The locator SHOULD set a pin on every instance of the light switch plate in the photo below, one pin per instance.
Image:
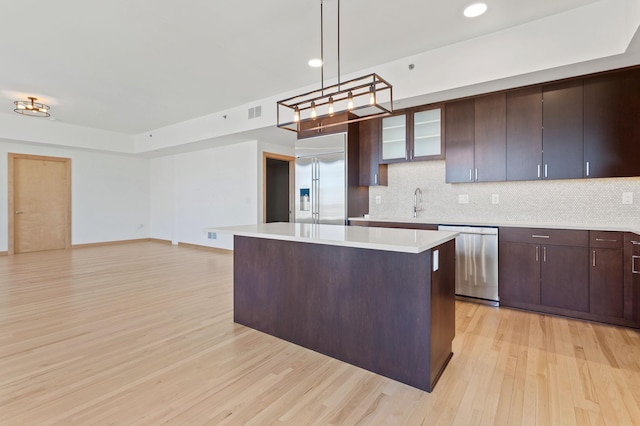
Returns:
(495, 199)
(463, 199)
(627, 198)
(378, 199)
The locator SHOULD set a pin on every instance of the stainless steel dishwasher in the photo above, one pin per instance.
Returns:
(476, 263)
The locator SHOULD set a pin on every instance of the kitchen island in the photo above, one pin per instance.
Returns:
(380, 299)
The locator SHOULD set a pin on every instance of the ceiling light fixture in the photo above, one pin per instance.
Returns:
(475, 10)
(32, 108)
(354, 100)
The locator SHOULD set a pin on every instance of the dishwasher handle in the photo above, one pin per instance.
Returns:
(476, 230)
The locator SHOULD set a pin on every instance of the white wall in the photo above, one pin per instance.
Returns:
(197, 190)
(110, 193)
(593, 203)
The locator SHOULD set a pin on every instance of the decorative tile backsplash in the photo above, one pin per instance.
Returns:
(577, 202)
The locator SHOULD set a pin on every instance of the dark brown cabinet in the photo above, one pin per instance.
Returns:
(475, 139)
(371, 171)
(611, 130)
(562, 130)
(519, 274)
(323, 126)
(524, 134)
(564, 282)
(606, 279)
(632, 279)
(544, 269)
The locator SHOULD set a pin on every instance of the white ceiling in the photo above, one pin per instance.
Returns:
(133, 66)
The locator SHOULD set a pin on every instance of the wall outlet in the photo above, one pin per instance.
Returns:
(627, 198)
(378, 199)
(495, 198)
(463, 199)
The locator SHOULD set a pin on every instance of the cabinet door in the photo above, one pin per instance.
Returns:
(565, 277)
(459, 143)
(611, 131)
(519, 274)
(562, 134)
(606, 284)
(394, 139)
(425, 136)
(371, 172)
(524, 134)
(491, 138)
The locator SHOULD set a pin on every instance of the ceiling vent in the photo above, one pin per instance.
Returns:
(255, 112)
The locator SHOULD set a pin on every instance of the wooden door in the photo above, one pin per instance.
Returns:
(519, 274)
(491, 138)
(371, 171)
(611, 131)
(459, 141)
(607, 282)
(562, 134)
(39, 203)
(565, 278)
(524, 134)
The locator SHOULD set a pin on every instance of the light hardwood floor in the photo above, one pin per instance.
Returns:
(143, 334)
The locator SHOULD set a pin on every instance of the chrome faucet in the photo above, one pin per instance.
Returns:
(417, 201)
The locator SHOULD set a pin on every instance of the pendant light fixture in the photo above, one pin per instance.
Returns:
(345, 102)
(32, 108)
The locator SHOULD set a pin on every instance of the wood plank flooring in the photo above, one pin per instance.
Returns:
(142, 334)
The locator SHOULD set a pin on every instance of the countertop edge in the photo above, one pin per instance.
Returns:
(439, 221)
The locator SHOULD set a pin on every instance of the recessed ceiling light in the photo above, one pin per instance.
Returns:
(315, 63)
(475, 9)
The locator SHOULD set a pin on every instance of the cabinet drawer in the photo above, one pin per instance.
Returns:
(606, 239)
(557, 237)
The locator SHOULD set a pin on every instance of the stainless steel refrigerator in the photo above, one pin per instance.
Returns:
(321, 185)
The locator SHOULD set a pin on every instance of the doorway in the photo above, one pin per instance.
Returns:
(278, 181)
(39, 203)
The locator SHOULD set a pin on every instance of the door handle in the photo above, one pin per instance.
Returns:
(19, 212)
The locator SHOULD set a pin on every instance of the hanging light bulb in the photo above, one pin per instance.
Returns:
(313, 110)
(296, 115)
(350, 101)
(372, 95)
(331, 110)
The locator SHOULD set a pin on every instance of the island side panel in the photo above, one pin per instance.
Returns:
(443, 309)
(370, 308)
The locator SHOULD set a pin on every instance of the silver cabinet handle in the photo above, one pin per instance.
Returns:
(544, 254)
(594, 258)
(538, 170)
(633, 264)
(476, 173)
(540, 236)
(545, 170)
(587, 169)
(537, 253)
(636, 243)
(470, 175)
(19, 212)
(375, 179)
(606, 240)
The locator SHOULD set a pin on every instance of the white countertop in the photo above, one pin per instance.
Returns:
(441, 221)
(387, 239)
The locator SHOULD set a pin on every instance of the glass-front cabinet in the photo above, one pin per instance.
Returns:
(411, 135)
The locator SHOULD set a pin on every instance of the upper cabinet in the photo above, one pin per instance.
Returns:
(562, 130)
(475, 141)
(611, 130)
(414, 134)
(524, 134)
(371, 171)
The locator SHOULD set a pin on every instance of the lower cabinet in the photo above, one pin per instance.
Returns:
(564, 282)
(579, 274)
(534, 275)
